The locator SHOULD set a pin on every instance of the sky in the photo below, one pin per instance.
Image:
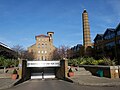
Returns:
(22, 20)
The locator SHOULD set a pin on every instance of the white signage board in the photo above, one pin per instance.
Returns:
(43, 63)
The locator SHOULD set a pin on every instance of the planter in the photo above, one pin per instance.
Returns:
(14, 76)
(70, 74)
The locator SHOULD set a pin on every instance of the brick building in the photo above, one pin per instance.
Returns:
(43, 48)
(75, 51)
(108, 44)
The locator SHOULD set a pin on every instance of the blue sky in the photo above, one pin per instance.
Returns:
(21, 20)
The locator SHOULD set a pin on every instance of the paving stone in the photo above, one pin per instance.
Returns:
(7, 83)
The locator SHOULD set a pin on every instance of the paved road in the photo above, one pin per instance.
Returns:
(56, 85)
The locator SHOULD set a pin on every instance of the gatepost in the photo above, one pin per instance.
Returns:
(114, 72)
(24, 72)
(61, 72)
(119, 70)
(66, 67)
(20, 69)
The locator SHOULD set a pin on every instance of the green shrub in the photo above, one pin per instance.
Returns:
(70, 70)
(8, 62)
(108, 61)
(90, 61)
(14, 71)
(1, 60)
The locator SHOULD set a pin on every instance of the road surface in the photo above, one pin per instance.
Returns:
(57, 85)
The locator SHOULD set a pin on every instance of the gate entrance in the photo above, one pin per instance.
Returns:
(43, 69)
(49, 73)
(36, 73)
(42, 73)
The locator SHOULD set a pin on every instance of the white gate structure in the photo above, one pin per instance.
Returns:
(43, 69)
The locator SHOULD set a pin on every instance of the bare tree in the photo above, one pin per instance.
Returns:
(63, 51)
(28, 55)
(70, 53)
(56, 55)
(22, 53)
(60, 53)
(18, 49)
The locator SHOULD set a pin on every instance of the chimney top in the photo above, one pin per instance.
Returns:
(85, 11)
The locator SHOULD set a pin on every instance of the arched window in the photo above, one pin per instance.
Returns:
(42, 58)
(38, 45)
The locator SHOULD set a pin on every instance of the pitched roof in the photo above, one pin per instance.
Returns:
(4, 45)
(109, 30)
(101, 35)
(42, 35)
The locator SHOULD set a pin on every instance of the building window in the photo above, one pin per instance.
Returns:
(42, 39)
(38, 51)
(38, 45)
(110, 45)
(42, 57)
(42, 45)
(118, 33)
(39, 39)
(110, 35)
(42, 52)
(46, 45)
(119, 42)
(45, 52)
(45, 39)
(45, 58)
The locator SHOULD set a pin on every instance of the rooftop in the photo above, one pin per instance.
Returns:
(42, 35)
(85, 11)
(4, 45)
